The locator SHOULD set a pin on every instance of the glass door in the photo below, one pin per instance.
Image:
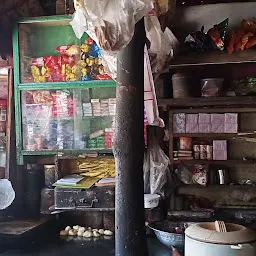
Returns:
(68, 119)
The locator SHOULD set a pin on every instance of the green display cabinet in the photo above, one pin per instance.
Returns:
(64, 101)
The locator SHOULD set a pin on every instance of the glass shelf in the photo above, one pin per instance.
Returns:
(68, 119)
(49, 52)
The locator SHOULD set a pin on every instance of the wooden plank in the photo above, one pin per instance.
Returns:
(215, 110)
(213, 58)
(183, 3)
(208, 101)
(216, 162)
(205, 135)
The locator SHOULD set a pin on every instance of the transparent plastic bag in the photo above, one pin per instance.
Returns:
(163, 45)
(211, 87)
(114, 20)
(155, 170)
(184, 174)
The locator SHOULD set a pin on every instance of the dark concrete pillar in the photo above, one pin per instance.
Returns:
(129, 148)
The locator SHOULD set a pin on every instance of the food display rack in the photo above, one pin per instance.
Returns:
(38, 99)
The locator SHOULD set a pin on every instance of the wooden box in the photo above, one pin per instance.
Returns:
(73, 198)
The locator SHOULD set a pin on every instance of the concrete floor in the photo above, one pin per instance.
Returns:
(54, 246)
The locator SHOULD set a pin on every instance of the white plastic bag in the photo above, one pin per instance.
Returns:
(163, 45)
(114, 20)
(155, 170)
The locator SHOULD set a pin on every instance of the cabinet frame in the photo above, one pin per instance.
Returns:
(19, 87)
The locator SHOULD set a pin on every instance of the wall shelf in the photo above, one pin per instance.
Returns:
(206, 135)
(216, 162)
(213, 58)
(208, 101)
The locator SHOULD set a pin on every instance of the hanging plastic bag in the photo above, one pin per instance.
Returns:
(114, 20)
(155, 170)
(163, 45)
(79, 22)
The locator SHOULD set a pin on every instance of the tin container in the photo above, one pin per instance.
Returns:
(209, 148)
(203, 155)
(185, 143)
(196, 148)
(209, 156)
(203, 148)
(196, 155)
(49, 174)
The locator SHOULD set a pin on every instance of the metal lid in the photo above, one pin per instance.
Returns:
(206, 232)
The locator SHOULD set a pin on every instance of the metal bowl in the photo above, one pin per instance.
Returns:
(164, 231)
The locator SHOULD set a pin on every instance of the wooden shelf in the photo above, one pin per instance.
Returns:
(209, 101)
(205, 135)
(213, 58)
(216, 162)
(216, 186)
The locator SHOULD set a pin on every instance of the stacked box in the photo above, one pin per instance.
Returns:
(220, 155)
(112, 106)
(100, 141)
(217, 121)
(96, 109)
(104, 107)
(204, 123)
(92, 143)
(192, 118)
(220, 150)
(96, 134)
(191, 123)
(219, 145)
(231, 123)
(179, 123)
(87, 109)
(109, 135)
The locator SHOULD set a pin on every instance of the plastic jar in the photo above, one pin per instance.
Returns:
(49, 174)
(181, 85)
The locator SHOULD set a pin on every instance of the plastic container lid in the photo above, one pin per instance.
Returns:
(206, 232)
